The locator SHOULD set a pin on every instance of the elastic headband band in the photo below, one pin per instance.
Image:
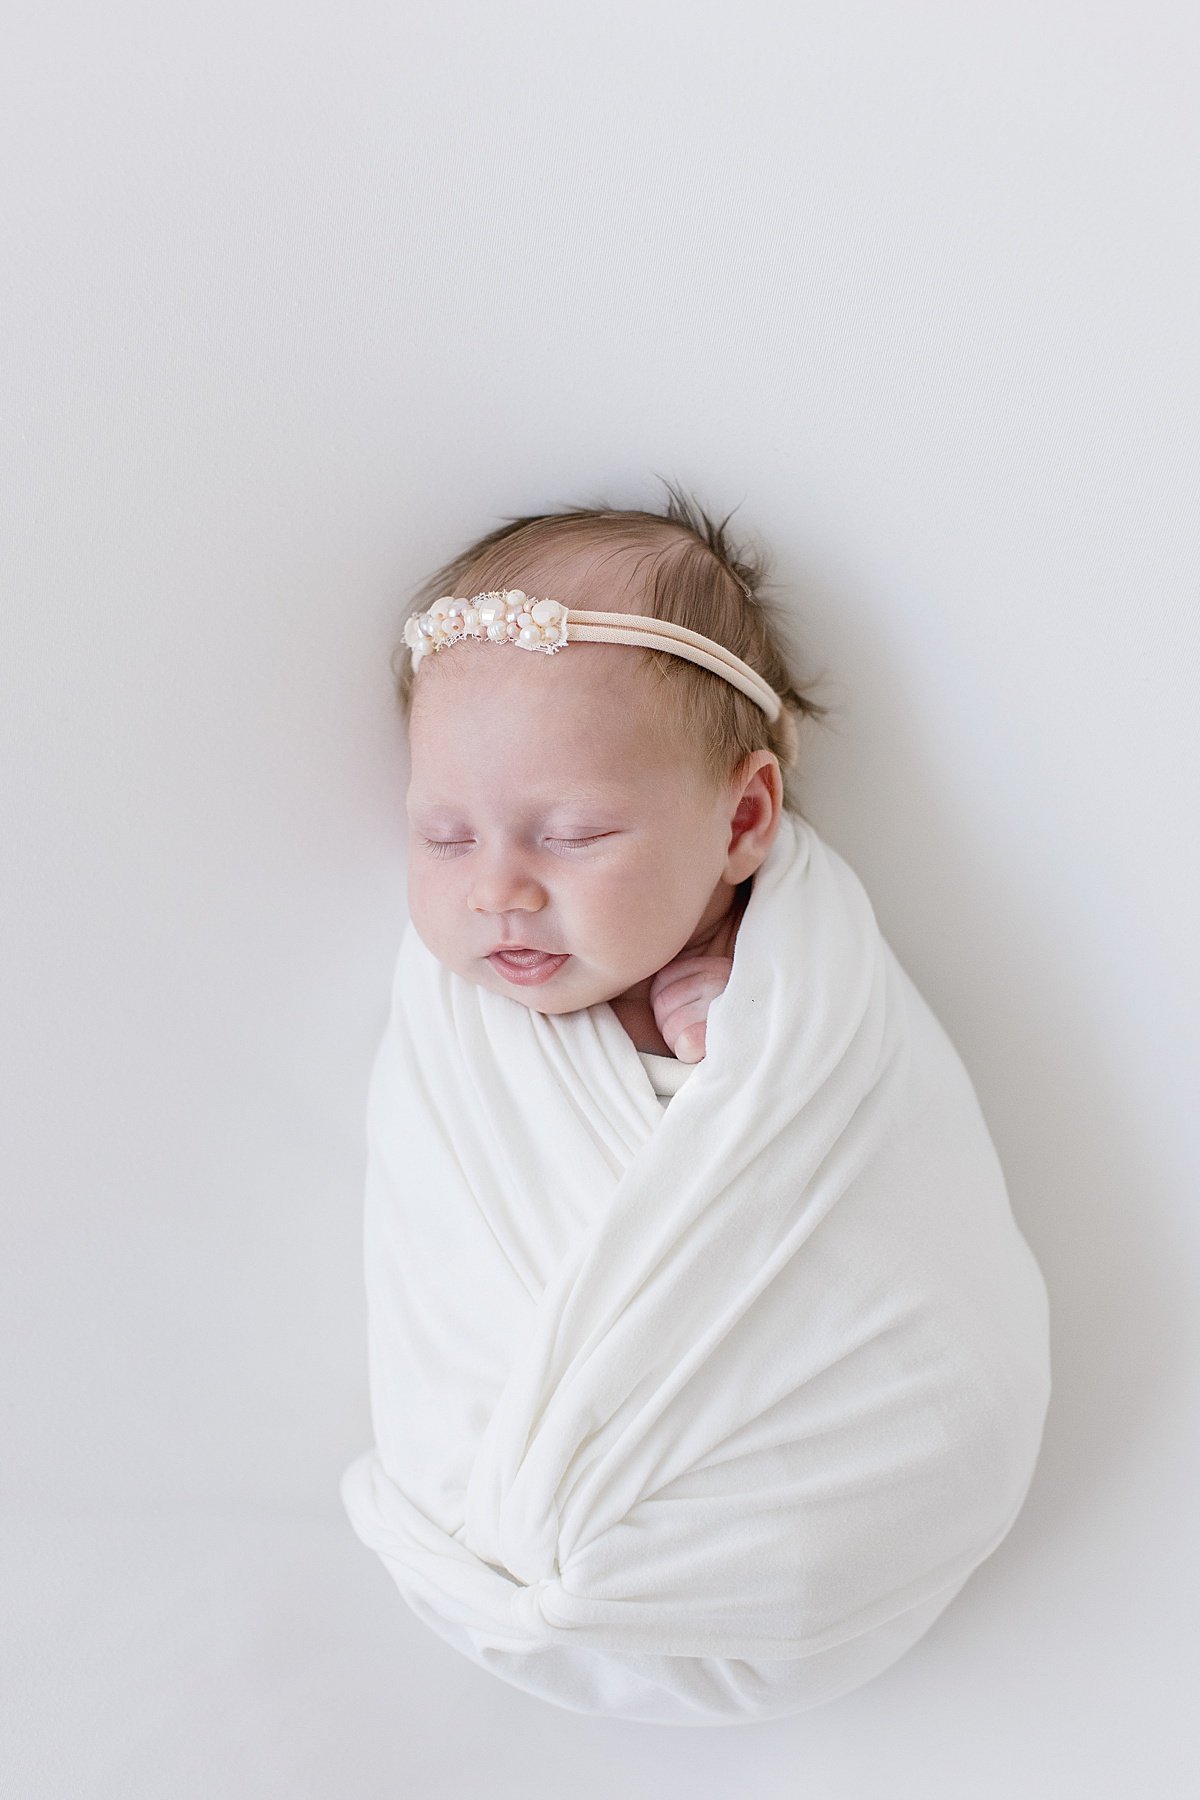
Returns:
(508, 615)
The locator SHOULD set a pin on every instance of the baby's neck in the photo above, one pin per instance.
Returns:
(636, 1019)
(634, 1012)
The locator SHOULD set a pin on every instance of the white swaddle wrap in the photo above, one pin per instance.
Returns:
(701, 1414)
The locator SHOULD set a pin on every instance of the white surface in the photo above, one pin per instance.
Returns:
(297, 299)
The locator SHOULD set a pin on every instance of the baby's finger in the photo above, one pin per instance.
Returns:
(686, 999)
(717, 967)
(673, 1021)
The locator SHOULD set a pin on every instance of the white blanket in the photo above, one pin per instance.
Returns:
(704, 1414)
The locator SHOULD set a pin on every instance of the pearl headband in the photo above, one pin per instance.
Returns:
(508, 615)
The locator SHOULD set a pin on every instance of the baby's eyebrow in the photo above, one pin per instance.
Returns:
(583, 813)
(562, 800)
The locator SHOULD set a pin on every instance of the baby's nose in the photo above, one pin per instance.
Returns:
(502, 887)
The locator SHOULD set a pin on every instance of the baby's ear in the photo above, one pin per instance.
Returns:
(757, 816)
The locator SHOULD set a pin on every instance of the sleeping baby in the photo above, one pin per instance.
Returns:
(707, 1360)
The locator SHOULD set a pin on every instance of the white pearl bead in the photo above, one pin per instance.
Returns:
(531, 637)
(523, 619)
(546, 612)
(490, 612)
(497, 632)
(471, 617)
(512, 628)
(516, 596)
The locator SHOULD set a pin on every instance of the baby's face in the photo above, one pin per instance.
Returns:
(551, 807)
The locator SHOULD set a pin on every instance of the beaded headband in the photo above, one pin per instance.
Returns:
(509, 615)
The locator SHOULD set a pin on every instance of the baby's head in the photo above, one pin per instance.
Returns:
(606, 802)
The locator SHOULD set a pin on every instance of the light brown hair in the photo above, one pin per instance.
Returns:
(688, 572)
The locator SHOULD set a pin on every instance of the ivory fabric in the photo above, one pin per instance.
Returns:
(700, 1411)
(667, 1074)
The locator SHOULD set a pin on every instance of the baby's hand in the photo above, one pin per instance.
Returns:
(681, 994)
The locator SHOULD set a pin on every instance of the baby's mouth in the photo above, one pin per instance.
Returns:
(528, 968)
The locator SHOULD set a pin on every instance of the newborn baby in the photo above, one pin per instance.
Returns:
(693, 1413)
(556, 810)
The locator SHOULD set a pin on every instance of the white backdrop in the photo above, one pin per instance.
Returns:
(296, 300)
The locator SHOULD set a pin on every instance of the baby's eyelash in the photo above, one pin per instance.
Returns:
(442, 847)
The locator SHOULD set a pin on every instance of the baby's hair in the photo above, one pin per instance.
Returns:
(693, 576)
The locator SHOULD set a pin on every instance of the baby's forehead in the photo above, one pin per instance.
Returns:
(523, 778)
(593, 717)
(580, 722)
(475, 674)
